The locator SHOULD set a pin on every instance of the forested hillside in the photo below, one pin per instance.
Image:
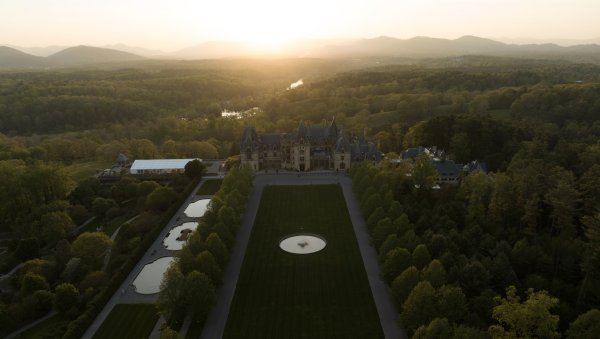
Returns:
(532, 222)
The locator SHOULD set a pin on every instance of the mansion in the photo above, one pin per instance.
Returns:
(307, 148)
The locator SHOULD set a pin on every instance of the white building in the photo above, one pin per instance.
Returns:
(159, 166)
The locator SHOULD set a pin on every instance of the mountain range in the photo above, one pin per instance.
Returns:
(11, 58)
(418, 47)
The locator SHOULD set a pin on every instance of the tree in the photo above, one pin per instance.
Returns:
(101, 205)
(530, 319)
(437, 328)
(591, 264)
(171, 296)
(67, 297)
(420, 307)
(389, 244)
(195, 169)
(217, 248)
(93, 280)
(473, 277)
(563, 199)
(421, 256)
(91, 247)
(161, 198)
(452, 303)
(587, 325)
(384, 228)
(404, 283)
(435, 273)
(147, 187)
(168, 333)
(372, 203)
(32, 282)
(206, 263)
(424, 174)
(396, 261)
(200, 295)
(374, 218)
(56, 226)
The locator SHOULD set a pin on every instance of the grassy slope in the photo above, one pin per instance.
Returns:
(128, 321)
(320, 295)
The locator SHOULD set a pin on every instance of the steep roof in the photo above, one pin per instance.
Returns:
(270, 138)
(447, 167)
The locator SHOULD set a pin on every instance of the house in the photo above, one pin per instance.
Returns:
(473, 166)
(307, 148)
(448, 171)
(413, 152)
(159, 166)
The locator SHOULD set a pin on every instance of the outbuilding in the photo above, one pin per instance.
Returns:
(159, 166)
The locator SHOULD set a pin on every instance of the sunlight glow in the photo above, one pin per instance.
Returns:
(268, 23)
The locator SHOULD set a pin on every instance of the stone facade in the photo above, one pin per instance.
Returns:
(305, 149)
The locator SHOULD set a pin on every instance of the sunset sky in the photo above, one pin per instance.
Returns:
(169, 25)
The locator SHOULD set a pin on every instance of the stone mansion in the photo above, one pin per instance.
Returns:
(307, 148)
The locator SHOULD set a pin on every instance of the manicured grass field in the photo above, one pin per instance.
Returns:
(210, 187)
(128, 321)
(53, 327)
(320, 295)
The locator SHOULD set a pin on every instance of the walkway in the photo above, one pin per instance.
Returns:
(388, 315)
(126, 294)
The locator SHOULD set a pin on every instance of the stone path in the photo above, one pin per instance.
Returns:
(388, 315)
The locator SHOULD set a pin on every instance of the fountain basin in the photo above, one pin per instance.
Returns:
(197, 209)
(302, 243)
(148, 280)
(178, 236)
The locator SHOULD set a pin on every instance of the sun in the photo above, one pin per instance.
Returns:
(265, 38)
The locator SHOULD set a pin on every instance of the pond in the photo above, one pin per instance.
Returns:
(178, 236)
(148, 281)
(197, 209)
(302, 243)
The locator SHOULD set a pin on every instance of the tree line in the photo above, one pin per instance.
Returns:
(188, 288)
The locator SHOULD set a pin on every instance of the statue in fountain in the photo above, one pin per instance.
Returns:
(303, 243)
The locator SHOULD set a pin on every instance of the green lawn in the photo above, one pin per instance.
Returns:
(128, 321)
(82, 170)
(210, 187)
(320, 295)
(53, 327)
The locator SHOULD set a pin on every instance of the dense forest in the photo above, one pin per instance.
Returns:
(520, 239)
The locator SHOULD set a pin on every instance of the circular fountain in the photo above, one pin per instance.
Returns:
(302, 243)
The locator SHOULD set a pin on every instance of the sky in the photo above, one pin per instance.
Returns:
(174, 24)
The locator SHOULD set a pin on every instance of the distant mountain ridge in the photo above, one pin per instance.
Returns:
(383, 46)
(466, 45)
(11, 58)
